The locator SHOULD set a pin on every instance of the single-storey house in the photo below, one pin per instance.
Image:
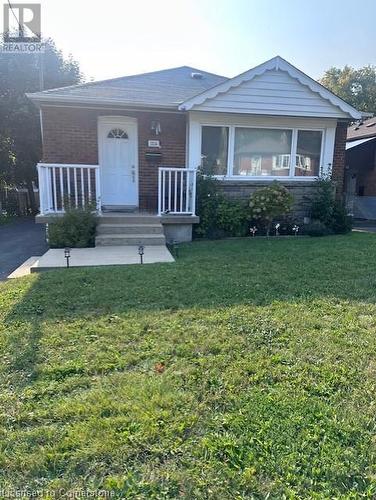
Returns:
(133, 145)
(360, 173)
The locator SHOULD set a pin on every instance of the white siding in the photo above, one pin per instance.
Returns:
(274, 92)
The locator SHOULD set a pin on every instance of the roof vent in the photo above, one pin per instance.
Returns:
(197, 76)
(371, 124)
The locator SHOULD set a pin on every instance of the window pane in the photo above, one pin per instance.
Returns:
(308, 152)
(214, 150)
(262, 152)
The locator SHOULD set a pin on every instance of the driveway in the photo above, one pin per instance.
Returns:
(20, 240)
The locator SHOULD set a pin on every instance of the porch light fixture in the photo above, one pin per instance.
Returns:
(67, 255)
(141, 253)
(253, 230)
(156, 127)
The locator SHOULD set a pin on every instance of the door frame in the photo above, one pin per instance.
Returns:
(116, 121)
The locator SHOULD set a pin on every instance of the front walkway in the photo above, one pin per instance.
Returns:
(102, 256)
(19, 240)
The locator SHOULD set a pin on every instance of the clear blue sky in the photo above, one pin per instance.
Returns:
(120, 37)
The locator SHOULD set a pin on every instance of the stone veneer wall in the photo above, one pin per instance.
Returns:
(301, 190)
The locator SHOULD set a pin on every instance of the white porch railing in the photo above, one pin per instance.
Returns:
(62, 186)
(176, 191)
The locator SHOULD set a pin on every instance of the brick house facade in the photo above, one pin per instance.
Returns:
(304, 124)
(71, 136)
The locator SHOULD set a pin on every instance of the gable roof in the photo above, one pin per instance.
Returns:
(362, 130)
(178, 89)
(281, 65)
(166, 88)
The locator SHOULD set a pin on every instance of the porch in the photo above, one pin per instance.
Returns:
(63, 186)
(78, 186)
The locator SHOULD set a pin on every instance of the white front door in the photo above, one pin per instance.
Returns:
(117, 141)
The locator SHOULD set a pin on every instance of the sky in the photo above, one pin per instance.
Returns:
(123, 37)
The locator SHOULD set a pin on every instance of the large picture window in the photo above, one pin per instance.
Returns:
(260, 152)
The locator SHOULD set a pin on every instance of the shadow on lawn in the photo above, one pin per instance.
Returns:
(211, 275)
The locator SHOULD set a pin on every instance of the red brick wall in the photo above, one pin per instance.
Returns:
(70, 136)
(338, 167)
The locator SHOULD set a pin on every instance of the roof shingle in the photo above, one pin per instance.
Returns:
(362, 130)
(166, 88)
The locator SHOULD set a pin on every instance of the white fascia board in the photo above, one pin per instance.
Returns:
(277, 63)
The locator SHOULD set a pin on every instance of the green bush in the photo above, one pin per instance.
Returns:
(329, 211)
(209, 197)
(75, 229)
(317, 228)
(341, 222)
(219, 215)
(323, 201)
(233, 217)
(269, 203)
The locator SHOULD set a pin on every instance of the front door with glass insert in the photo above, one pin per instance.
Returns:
(118, 162)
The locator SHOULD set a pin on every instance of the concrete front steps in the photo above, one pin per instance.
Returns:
(115, 229)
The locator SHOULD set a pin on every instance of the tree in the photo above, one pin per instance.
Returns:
(355, 86)
(20, 142)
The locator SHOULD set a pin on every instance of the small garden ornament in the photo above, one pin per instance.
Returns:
(268, 203)
(295, 229)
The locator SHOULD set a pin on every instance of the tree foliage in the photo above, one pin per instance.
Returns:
(20, 144)
(355, 86)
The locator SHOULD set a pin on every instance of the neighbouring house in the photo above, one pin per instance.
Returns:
(360, 176)
(134, 144)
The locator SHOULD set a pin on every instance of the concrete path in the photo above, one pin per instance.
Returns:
(19, 240)
(101, 256)
(365, 229)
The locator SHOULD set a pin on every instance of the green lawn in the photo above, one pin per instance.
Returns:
(246, 369)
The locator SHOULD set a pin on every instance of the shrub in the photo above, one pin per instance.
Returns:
(269, 203)
(219, 215)
(341, 222)
(232, 217)
(208, 199)
(317, 228)
(323, 201)
(75, 229)
(329, 211)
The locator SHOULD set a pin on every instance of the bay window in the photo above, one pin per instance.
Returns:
(260, 152)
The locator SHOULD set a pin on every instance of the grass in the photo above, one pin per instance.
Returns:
(245, 370)
(5, 219)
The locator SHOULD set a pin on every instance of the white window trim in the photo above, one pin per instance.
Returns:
(294, 142)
